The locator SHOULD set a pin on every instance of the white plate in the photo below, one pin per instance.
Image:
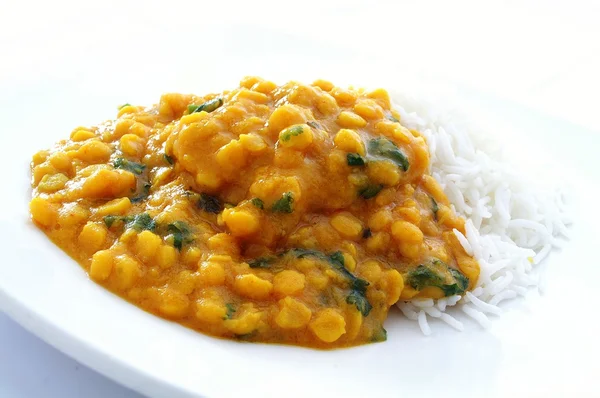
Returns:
(542, 345)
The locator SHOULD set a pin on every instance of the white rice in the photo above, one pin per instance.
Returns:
(511, 225)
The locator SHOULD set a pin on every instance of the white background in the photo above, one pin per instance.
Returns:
(544, 54)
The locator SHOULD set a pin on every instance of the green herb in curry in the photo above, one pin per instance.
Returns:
(386, 149)
(230, 311)
(124, 164)
(292, 132)
(208, 106)
(209, 203)
(358, 287)
(138, 222)
(261, 262)
(434, 208)
(370, 191)
(354, 159)
(284, 205)
(181, 233)
(169, 159)
(436, 273)
(257, 202)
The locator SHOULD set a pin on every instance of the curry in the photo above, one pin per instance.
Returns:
(295, 214)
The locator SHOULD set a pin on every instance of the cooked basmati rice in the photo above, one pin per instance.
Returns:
(511, 226)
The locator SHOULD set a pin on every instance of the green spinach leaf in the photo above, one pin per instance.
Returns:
(209, 203)
(434, 207)
(230, 311)
(379, 335)
(261, 262)
(354, 159)
(292, 132)
(124, 164)
(370, 191)
(386, 149)
(358, 287)
(181, 232)
(139, 222)
(257, 202)
(438, 274)
(208, 106)
(284, 205)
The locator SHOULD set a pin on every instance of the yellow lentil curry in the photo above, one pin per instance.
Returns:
(293, 214)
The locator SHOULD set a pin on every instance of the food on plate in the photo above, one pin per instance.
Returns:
(515, 216)
(295, 214)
